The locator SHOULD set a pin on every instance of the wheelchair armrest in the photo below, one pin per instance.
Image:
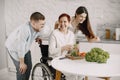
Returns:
(50, 58)
(46, 58)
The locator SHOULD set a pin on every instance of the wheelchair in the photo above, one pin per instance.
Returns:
(42, 70)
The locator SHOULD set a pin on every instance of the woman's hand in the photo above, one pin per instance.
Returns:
(96, 39)
(67, 48)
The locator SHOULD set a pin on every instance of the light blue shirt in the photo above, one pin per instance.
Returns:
(20, 40)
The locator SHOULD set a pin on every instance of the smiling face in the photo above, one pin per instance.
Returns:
(63, 22)
(38, 25)
(80, 18)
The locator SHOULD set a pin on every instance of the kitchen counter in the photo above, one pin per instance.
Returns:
(111, 41)
(108, 41)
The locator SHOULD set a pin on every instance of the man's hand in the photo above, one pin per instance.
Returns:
(23, 66)
(38, 40)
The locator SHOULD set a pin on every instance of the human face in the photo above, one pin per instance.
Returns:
(38, 25)
(81, 17)
(63, 22)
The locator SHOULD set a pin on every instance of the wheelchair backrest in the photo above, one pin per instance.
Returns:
(44, 50)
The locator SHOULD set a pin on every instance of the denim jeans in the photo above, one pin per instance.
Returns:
(28, 62)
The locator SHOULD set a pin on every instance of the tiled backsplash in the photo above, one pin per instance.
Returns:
(101, 30)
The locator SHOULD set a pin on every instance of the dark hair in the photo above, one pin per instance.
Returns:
(81, 10)
(37, 16)
(64, 15)
(85, 27)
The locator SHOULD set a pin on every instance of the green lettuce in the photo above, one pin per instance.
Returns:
(97, 55)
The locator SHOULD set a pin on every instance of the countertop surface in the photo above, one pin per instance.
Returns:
(108, 41)
(111, 41)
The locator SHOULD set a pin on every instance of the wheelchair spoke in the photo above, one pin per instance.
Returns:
(41, 72)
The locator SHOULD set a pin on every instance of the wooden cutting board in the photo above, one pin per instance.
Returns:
(74, 57)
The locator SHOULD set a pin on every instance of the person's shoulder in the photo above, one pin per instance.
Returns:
(55, 31)
(70, 32)
(24, 27)
(72, 18)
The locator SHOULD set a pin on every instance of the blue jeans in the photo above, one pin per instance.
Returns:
(28, 62)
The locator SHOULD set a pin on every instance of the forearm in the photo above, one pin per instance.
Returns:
(96, 39)
(21, 60)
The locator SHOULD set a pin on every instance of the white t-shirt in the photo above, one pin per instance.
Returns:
(57, 40)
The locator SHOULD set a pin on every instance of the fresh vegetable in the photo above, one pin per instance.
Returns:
(97, 55)
(75, 52)
(82, 54)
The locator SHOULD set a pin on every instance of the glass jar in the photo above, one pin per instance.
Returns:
(107, 31)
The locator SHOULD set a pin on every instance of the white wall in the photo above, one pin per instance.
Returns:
(3, 56)
(100, 12)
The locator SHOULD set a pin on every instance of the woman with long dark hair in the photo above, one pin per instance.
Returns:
(81, 22)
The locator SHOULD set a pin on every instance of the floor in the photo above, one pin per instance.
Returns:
(11, 76)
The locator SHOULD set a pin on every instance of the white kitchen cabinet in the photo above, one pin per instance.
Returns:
(110, 47)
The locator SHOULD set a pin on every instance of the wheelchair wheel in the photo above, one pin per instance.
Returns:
(41, 72)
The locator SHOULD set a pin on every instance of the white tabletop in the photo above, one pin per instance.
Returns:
(82, 67)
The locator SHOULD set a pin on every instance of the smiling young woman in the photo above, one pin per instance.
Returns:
(80, 22)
